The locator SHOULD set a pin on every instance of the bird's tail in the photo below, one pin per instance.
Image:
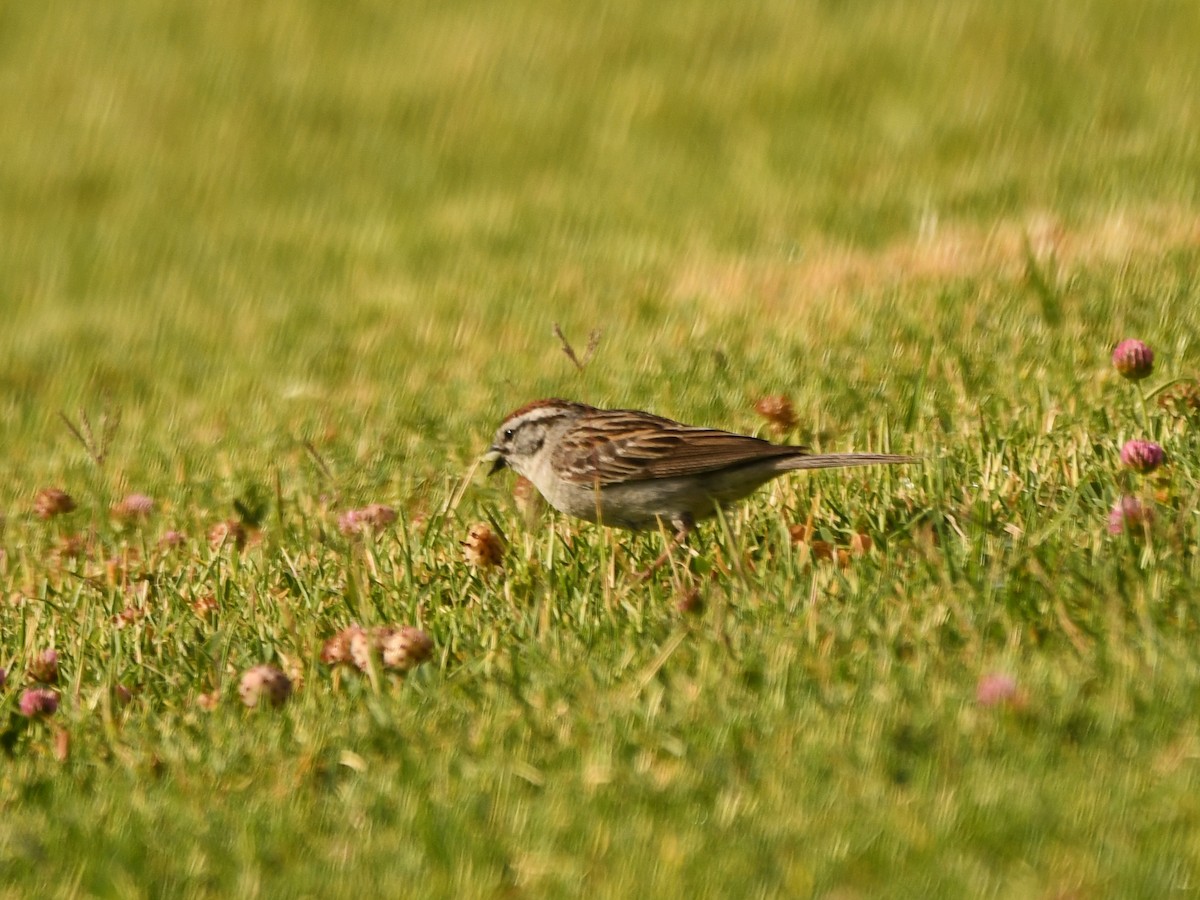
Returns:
(842, 460)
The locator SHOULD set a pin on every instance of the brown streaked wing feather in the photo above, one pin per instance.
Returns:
(653, 447)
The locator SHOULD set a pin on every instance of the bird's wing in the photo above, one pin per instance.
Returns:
(652, 447)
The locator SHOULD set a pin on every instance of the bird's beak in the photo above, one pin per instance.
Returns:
(496, 459)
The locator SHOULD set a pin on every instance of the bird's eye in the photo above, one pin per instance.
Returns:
(508, 434)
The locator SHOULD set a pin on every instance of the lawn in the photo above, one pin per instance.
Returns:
(263, 265)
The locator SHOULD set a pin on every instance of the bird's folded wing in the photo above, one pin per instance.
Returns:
(660, 449)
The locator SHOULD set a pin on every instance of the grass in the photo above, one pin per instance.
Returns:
(309, 257)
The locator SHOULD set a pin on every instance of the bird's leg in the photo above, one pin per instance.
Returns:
(683, 527)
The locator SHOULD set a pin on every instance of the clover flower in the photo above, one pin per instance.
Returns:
(39, 701)
(482, 548)
(1129, 513)
(1133, 359)
(44, 667)
(134, 508)
(778, 411)
(996, 688)
(264, 682)
(1142, 456)
(51, 502)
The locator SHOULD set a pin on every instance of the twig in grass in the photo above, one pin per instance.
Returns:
(1077, 638)
(322, 468)
(97, 449)
(1041, 279)
(593, 343)
(462, 487)
(647, 674)
(735, 553)
(278, 498)
(318, 460)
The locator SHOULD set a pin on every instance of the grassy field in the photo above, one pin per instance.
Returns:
(285, 260)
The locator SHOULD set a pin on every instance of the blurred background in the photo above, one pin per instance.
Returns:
(358, 222)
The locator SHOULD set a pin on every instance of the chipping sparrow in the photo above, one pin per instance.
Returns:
(631, 469)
